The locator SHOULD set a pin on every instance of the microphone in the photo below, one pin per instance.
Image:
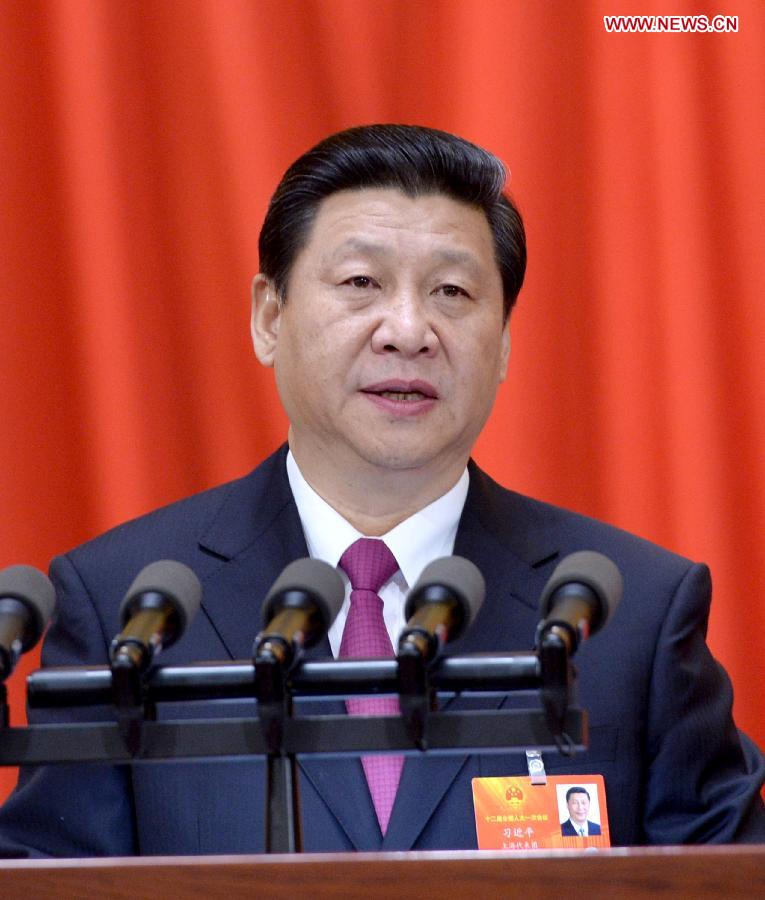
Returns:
(441, 606)
(159, 605)
(580, 597)
(27, 598)
(299, 609)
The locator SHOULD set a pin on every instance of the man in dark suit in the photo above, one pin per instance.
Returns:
(577, 824)
(390, 261)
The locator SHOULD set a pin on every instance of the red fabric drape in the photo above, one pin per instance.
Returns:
(140, 142)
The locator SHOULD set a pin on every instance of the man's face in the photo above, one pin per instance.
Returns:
(578, 807)
(391, 344)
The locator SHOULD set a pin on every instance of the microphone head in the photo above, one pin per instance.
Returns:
(595, 571)
(36, 592)
(459, 577)
(175, 582)
(312, 577)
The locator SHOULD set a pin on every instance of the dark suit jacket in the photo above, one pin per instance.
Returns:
(567, 828)
(676, 770)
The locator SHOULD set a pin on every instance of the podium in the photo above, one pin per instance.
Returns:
(655, 872)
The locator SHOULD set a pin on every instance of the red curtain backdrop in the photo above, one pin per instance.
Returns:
(140, 142)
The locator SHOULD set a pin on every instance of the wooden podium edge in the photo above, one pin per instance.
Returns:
(728, 872)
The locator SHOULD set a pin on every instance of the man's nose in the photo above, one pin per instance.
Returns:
(405, 327)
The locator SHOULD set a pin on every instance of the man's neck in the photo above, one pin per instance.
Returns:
(375, 499)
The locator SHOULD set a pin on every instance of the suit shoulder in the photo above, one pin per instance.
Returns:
(537, 524)
(200, 530)
(174, 518)
(244, 502)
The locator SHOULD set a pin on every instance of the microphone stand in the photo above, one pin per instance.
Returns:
(416, 695)
(557, 677)
(272, 657)
(130, 697)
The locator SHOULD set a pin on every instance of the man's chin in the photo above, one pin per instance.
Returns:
(397, 462)
(397, 458)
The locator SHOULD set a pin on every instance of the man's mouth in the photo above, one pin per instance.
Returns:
(402, 391)
(400, 395)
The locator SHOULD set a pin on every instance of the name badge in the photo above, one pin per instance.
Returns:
(569, 811)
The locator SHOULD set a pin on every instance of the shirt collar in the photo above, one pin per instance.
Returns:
(415, 542)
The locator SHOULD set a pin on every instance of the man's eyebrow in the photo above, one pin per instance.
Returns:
(356, 245)
(458, 257)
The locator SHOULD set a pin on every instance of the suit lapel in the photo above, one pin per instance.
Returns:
(512, 551)
(253, 536)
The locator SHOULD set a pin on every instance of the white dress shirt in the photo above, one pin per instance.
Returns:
(415, 542)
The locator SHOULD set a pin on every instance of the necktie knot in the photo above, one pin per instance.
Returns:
(368, 563)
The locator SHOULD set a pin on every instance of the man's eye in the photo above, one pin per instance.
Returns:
(452, 290)
(360, 281)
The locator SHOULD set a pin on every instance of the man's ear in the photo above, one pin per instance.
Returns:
(505, 352)
(266, 315)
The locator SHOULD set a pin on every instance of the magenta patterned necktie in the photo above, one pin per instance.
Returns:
(368, 564)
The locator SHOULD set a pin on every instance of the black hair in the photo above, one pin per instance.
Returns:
(577, 790)
(414, 159)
